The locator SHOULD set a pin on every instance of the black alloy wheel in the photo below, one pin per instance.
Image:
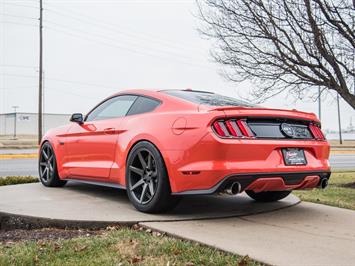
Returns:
(47, 166)
(147, 181)
(144, 176)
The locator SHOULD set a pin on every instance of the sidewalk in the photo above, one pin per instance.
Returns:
(305, 234)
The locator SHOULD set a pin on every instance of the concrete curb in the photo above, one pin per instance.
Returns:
(342, 152)
(10, 221)
(18, 156)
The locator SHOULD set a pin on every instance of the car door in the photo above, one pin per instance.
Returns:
(90, 146)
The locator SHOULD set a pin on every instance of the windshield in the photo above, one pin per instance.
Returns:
(207, 98)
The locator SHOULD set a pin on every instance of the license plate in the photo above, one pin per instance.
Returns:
(294, 156)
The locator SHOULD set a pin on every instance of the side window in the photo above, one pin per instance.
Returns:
(112, 108)
(143, 105)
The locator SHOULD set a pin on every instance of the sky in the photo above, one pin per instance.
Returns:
(93, 49)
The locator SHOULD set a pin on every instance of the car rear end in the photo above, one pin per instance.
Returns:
(259, 149)
(271, 150)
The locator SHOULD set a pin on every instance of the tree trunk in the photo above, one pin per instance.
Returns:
(348, 97)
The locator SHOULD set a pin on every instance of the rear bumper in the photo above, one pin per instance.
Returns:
(204, 167)
(265, 182)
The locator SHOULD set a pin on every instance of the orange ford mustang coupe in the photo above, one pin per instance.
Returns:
(159, 145)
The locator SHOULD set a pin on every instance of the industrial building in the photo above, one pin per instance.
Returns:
(27, 123)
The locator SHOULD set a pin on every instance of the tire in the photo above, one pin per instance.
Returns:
(47, 167)
(147, 180)
(268, 196)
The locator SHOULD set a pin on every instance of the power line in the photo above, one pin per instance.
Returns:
(112, 39)
(18, 66)
(18, 23)
(60, 80)
(118, 46)
(16, 16)
(115, 28)
(13, 4)
(55, 90)
(131, 50)
(17, 75)
(100, 23)
(121, 47)
(52, 90)
(14, 89)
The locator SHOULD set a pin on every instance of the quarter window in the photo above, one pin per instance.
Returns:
(112, 108)
(143, 105)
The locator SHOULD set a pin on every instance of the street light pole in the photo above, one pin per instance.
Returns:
(40, 111)
(15, 120)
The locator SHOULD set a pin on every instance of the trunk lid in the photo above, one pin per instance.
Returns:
(235, 111)
(265, 123)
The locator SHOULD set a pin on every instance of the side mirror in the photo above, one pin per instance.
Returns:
(77, 118)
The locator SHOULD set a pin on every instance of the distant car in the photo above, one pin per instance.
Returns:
(159, 145)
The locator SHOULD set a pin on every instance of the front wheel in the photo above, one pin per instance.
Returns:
(147, 180)
(268, 196)
(47, 167)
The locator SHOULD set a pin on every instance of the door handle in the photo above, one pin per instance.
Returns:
(110, 130)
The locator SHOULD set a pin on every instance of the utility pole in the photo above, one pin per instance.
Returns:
(339, 122)
(43, 101)
(40, 89)
(319, 104)
(353, 28)
(15, 120)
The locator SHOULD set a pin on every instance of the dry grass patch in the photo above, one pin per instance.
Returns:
(15, 180)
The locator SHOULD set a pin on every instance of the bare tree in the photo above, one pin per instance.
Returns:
(284, 45)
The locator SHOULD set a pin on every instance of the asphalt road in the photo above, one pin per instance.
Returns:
(22, 167)
(29, 166)
(342, 161)
(18, 151)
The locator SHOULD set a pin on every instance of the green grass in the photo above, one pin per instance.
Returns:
(14, 180)
(335, 194)
(117, 247)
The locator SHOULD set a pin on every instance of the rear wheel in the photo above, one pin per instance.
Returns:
(147, 180)
(268, 196)
(47, 166)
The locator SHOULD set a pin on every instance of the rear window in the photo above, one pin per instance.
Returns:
(207, 98)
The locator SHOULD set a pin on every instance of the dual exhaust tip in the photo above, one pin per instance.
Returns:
(323, 183)
(235, 188)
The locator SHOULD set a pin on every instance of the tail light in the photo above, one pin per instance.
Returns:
(232, 129)
(316, 132)
(245, 128)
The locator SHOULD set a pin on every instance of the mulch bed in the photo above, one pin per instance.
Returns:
(348, 185)
(18, 235)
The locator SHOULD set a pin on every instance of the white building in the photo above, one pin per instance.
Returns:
(27, 123)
